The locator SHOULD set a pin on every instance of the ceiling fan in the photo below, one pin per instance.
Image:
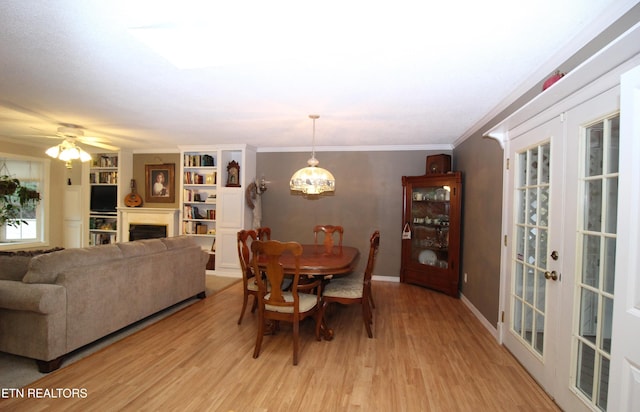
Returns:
(68, 149)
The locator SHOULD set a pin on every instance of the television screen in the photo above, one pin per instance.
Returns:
(104, 198)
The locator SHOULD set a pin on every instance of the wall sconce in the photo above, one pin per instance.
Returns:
(262, 187)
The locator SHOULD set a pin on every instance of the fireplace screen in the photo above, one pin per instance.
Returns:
(137, 232)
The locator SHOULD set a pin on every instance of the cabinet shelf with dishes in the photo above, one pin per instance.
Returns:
(431, 232)
(212, 211)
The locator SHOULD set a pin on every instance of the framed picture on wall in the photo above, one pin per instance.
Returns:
(160, 183)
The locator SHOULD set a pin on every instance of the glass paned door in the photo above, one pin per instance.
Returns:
(533, 253)
(594, 283)
(528, 296)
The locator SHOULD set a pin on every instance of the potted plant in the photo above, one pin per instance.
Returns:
(14, 197)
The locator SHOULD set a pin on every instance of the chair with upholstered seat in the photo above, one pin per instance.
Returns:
(278, 305)
(355, 288)
(264, 233)
(250, 287)
(329, 232)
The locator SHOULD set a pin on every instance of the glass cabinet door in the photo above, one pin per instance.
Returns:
(431, 231)
(430, 217)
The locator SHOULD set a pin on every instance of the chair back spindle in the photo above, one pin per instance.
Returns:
(329, 232)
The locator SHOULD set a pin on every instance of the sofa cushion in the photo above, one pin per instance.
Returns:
(33, 298)
(141, 247)
(46, 268)
(178, 242)
(15, 264)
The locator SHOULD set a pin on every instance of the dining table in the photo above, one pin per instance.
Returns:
(319, 261)
(316, 260)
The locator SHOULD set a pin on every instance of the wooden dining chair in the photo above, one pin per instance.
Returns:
(250, 287)
(354, 289)
(264, 233)
(329, 232)
(278, 305)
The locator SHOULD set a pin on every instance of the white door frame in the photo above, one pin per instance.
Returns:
(624, 381)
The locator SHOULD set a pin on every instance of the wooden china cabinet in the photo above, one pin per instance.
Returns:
(431, 231)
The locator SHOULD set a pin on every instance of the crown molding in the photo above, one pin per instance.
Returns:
(375, 148)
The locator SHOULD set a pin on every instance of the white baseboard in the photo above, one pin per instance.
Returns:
(395, 279)
(225, 274)
(492, 329)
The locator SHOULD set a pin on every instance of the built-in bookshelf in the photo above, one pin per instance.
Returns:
(212, 211)
(103, 199)
(103, 228)
(199, 194)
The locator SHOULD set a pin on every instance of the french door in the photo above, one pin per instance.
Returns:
(560, 252)
(532, 305)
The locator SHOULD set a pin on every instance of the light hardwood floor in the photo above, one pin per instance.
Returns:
(428, 354)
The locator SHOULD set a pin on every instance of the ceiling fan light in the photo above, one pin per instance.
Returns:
(68, 154)
(84, 156)
(53, 151)
(68, 151)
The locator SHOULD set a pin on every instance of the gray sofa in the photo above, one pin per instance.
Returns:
(54, 303)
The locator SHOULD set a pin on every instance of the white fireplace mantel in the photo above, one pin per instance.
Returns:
(148, 216)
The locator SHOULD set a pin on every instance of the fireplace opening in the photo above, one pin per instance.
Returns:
(137, 232)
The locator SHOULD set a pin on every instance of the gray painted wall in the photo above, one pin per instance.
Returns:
(368, 197)
(480, 159)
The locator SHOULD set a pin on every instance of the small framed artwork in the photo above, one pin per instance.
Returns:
(233, 174)
(160, 183)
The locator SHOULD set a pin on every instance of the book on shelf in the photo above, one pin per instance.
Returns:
(208, 160)
(196, 213)
(195, 228)
(102, 238)
(104, 177)
(193, 212)
(106, 161)
(191, 195)
(198, 160)
(192, 178)
(188, 228)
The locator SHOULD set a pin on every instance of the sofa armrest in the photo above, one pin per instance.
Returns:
(35, 297)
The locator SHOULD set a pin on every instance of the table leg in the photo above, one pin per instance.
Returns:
(324, 330)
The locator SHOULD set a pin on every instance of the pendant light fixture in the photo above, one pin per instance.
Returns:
(313, 180)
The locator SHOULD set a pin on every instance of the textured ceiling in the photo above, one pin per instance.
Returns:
(405, 73)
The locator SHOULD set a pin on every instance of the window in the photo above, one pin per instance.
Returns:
(34, 173)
